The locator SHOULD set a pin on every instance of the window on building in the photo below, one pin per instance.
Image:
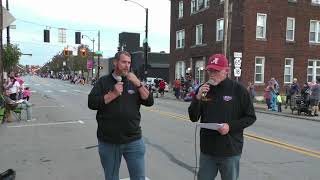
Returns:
(197, 5)
(259, 70)
(180, 40)
(193, 6)
(200, 72)
(292, 0)
(313, 70)
(199, 34)
(314, 33)
(261, 26)
(288, 70)
(200, 4)
(180, 69)
(180, 9)
(290, 29)
(316, 2)
(219, 29)
(206, 3)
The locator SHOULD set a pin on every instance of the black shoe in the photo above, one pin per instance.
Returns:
(316, 115)
(9, 174)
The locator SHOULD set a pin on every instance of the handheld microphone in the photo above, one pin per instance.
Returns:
(118, 79)
(210, 82)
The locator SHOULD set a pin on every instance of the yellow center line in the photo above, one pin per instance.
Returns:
(276, 143)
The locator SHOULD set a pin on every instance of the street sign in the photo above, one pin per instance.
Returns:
(237, 54)
(62, 35)
(89, 64)
(99, 53)
(13, 26)
(7, 18)
(237, 64)
(237, 72)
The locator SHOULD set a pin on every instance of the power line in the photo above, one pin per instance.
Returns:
(55, 45)
(54, 27)
(38, 43)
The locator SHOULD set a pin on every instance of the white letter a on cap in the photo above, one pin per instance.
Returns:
(215, 61)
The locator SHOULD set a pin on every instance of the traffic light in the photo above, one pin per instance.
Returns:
(78, 37)
(83, 52)
(65, 52)
(46, 35)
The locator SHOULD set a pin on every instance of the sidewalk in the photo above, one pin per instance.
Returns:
(261, 108)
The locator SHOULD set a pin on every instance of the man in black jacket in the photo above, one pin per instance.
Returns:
(117, 98)
(228, 103)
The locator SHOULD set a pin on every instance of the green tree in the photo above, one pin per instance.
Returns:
(11, 57)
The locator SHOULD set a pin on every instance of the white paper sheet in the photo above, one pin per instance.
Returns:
(212, 126)
(19, 101)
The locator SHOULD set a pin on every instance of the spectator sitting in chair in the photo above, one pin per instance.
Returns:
(11, 105)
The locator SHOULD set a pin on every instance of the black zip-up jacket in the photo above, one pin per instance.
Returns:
(228, 102)
(119, 120)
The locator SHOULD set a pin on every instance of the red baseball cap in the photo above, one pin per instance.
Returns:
(217, 62)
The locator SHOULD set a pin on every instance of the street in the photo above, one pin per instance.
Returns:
(60, 143)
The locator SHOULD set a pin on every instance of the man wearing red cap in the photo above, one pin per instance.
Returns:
(226, 102)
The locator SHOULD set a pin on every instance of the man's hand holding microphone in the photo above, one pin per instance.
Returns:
(204, 89)
(118, 87)
(117, 91)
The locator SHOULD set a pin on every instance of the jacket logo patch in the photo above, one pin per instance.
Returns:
(227, 98)
(131, 91)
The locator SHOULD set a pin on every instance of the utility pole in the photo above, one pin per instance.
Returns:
(146, 49)
(8, 28)
(231, 62)
(228, 6)
(1, 49)
(92, 59)
(98, 55)
(226, 27)
(145, 42)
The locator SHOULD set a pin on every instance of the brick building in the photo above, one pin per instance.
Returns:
(278, 39)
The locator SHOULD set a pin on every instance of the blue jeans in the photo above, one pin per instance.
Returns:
(27, 106)
(133, 153)
(210, 165)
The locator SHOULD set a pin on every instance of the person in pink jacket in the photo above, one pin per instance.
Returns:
(26, 93)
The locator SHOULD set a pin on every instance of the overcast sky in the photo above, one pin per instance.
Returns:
(111, 17)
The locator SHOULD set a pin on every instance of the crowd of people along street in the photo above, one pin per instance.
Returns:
(15, 98)
(305, 99)
(184, 88)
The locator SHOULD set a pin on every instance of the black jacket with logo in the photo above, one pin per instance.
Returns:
(228, 102)
(119, 120)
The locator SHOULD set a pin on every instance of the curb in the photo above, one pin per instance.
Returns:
(262, 110)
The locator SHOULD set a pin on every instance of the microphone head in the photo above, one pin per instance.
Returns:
(118, 78)
(210, 81)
